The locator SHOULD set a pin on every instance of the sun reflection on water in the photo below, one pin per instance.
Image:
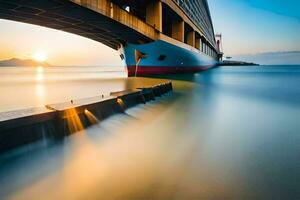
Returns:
(40, 90)
(39, 75)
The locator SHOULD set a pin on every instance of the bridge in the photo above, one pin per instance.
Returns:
(116, 22)
(122, 25)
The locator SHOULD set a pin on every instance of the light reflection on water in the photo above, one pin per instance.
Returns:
(231, 133)
(40, 74)
(39, 86)
(27, 87)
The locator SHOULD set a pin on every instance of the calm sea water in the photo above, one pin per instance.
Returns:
(230, 132)
(25, 87)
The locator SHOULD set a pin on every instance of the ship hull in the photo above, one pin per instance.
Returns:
(161, 57)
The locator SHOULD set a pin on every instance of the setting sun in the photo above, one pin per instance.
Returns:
(40, 56)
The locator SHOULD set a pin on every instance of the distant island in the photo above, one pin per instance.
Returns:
(236, 63)
(271, 58)
(14, 62)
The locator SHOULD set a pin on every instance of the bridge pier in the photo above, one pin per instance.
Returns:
(197, 41)
(204, 48)
(191, 38)
(154, 15)
(178, 30)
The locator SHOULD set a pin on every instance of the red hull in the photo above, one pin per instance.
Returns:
(156, 70)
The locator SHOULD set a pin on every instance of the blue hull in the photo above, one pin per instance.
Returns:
(161, 57)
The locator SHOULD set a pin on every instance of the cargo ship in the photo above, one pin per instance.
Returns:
(186, 42)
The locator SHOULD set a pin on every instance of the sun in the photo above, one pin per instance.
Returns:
(40, 56)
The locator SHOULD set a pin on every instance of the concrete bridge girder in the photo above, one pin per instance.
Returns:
(82, 20)
(105, 21)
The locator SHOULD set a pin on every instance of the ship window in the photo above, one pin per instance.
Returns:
(122, 56)
(161, 57)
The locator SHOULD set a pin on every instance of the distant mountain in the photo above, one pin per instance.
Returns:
(20, 62)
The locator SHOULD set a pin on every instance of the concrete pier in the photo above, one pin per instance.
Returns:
(55, 121)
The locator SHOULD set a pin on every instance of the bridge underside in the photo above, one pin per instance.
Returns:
(70, 17)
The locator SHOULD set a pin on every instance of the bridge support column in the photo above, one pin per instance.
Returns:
(198, 43)
(191, 38)
(154, 14)
(201, 45)
(178, 30)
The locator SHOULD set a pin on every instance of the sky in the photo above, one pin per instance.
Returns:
(248, 27)
(20, 40)
(257, 26)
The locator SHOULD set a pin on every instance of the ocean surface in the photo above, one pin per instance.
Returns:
(226, 133)
(26, 87)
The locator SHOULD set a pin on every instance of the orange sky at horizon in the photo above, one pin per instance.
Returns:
(20, 40)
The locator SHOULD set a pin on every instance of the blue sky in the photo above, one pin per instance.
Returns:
(257, 26)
